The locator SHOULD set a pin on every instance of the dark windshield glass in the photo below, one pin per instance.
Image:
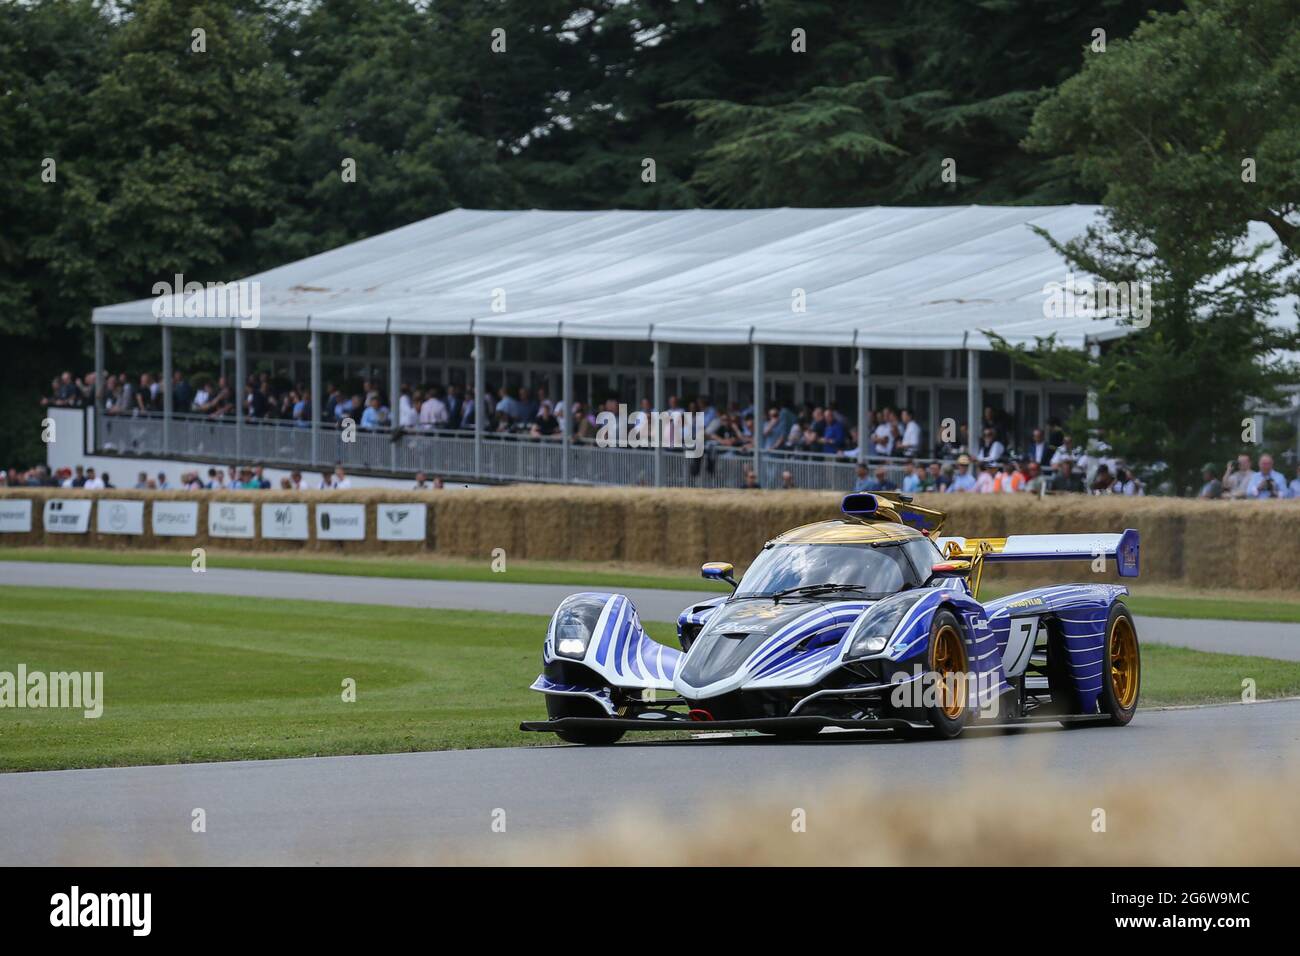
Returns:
(879, 570)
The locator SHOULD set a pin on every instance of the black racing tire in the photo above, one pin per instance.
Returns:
(1121, 672)
(565, 705)
(947, 653)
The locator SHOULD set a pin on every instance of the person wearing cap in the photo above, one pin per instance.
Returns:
(963, 480)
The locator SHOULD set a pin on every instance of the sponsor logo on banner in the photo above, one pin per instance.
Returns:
(119, 517)
(341, 522)
(175, 518)
(226, 519)
(400, 522)
(15, 516)
(284, 519)
(67, 515)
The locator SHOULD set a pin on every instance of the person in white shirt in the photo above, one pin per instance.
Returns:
(911, 433)
(1065, 453)
(1266, 483)
(433, 413)
(1237, 477)
(1094, 456)
(341, 480)
(991, 450)
(1293, 489)
(673, 420)
(883, 431)
(408, 416)
(93, 481)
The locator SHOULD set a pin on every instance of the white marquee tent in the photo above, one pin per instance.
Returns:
(879, 277)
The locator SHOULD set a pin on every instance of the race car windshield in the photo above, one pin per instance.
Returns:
(866, 572)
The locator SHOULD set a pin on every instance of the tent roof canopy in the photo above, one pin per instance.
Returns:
(879, 277)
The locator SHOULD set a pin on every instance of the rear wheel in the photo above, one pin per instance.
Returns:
(1122, 667)
(947, 668)
(564, 705)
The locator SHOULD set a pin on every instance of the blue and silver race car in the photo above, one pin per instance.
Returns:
(871, 620)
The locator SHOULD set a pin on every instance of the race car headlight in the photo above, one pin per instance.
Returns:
(573, 623)
(871, 632)
(571, 637)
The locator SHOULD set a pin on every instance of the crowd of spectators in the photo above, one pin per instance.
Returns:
(1242, 480)
(229, 478)
(889, 443)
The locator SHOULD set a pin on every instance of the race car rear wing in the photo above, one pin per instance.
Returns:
(1121, 548)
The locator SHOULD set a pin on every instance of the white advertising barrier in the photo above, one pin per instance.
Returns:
(67, 515)
(15, 516)
(175, 518)
(400, 522)
(285, 520)
(341, 522)
(229, 519)
(119, 517)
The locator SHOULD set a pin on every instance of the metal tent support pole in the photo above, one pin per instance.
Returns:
(864, 402)
(566, 398)
(394, 392)
(100, 391)
(758, 404)
(479, 405)
(166, 386)
(316, 397)
(658, 358)
(974, 396)
(241, 373)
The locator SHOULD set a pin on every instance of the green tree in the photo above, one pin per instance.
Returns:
(51, 57)
(1191, 128)
(1161, 123)
(1173, 395)
(371, 80)
(887, 92)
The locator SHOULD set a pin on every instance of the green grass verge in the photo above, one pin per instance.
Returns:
(577, 575)
(191, 678)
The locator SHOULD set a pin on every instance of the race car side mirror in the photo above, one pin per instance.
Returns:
(718, 571)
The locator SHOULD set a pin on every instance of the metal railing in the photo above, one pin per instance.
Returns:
(450, 453)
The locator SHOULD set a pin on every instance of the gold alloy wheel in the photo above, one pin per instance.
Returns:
(1125, 665)
(949, 664)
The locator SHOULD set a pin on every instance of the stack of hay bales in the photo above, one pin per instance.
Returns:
(1251, 545)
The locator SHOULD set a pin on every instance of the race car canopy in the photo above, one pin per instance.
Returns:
(1122, 548)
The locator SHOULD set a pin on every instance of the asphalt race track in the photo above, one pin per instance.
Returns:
(1253, 638)
(410, 807)
(414, 807)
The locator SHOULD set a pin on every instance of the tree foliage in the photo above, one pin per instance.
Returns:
(1161, 122)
